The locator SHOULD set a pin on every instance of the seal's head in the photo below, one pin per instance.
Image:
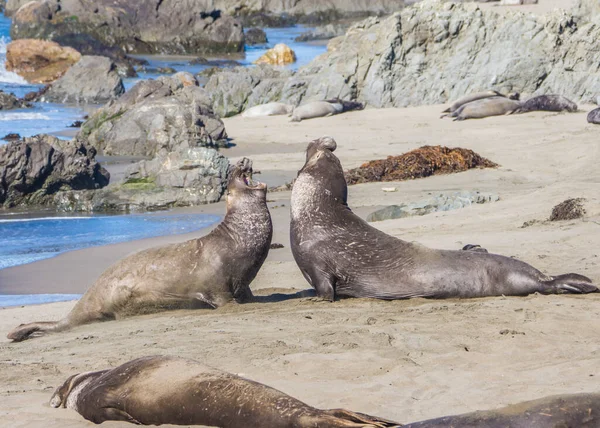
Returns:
(241, 187)
(66, 394)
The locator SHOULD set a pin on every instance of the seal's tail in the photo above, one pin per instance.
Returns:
(571, 283)
(34, 329)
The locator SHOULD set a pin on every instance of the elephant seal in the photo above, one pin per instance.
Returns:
(486, 107)
(159, 390)
(548, 103)
(340, 254)
(326, 108)
(575, 410)
(594, 116)
(470, 98)
(200, 273)
(269, 109)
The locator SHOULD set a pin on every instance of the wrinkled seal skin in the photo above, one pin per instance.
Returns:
(548, 103)
(562, 411)
(340, 254)
(594, 116)
(326, 108)
(201, 273)
(168, 390)
(269, 109)
(486, 107)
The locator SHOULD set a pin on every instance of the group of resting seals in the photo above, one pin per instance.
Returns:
(310, 110)
(159, 390)
(494, 103)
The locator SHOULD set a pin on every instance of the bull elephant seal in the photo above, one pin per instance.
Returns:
(576, 410)
(201, 273)
(594, 116)
(486, 107)
(167, 390)
(269, 109)
(326, 108)
(341, 254)
(548, 103)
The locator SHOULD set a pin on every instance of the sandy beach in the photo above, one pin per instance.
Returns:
(403, 360)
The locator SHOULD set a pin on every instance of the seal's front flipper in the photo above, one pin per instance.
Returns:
(570, 283)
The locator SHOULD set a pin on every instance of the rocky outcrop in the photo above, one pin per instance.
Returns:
(94, 79)
(142, 26)
(34, 169)
(163, 115)
(255, 36)
(234, 90)
(39, 61)
(324, 32)
(10, 101)
(280, 54)
(191, 177)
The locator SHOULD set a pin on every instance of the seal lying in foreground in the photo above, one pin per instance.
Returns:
(561, 411)
(201, 273)
(341, 254)
(326, 108)
(167, 390)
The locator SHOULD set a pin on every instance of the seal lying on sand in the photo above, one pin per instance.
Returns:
(167, 390)
(326, 108)
(341, 254)
(594, 116)
(576, 410)
(486, 107)
(201, 273)
(548, 103)
(477, 96)
(269, 109)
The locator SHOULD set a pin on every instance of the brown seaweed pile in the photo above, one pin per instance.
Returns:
(568, 210)
(422, 162)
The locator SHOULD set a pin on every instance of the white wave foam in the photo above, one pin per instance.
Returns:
(5, 117)
(20, 220)
(8, 76)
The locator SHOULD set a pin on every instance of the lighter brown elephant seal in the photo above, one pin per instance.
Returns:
(167, 390)
(340, 254)
(201, 273)
(560, 411)
(486, 107)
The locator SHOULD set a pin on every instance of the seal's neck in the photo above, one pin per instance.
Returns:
(312, 194)
(249, 225)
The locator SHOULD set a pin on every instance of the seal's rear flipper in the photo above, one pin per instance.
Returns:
(34, 329)
(571, 283)
(347, 418)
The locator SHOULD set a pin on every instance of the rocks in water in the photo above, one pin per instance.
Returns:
(76, 124)
(11, 101)
(39, 61)
(190, 177)
(94, 79)
(440, 202)
(142, 26)
(325, 32)
(569, 209)
(234, 90)
(280, 54)
(11, 137)
(256, 36)
(167, 114)
(422, 162)
(33, 169)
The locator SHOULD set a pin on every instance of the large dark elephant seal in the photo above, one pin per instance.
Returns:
(561, 411)
(341, 254)
(594, 116)
(201, 273)
(548, 103)
(167, 390)
(325, 108)
(486, 107)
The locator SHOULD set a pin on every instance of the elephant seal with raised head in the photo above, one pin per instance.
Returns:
(326, 108)
(269, 109)
(340, 254)
(160, 390)
(548, 103)
(560, 411)
(201, 273)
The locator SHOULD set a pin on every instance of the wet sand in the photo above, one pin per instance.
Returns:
(404, 360)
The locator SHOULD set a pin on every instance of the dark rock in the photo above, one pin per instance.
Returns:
(11, 137)
(10, 101)
(36, 95)
(33, 169)
(569, 209)
(167, 114)
(422, 162)
(275, 246)
(94, 79)
(76, 124)
(256, 36)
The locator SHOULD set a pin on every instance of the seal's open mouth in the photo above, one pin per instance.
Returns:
(250, 183)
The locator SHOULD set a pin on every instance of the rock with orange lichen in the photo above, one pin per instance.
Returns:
(422, 162)
(281, 54)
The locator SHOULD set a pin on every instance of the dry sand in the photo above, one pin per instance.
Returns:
(404, 360)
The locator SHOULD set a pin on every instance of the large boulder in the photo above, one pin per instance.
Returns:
(280, 54)
(190, 177)
(10, 101)
(33, 170)
(142, 26)
(39, 61)
(163, 115)
(94, 79)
